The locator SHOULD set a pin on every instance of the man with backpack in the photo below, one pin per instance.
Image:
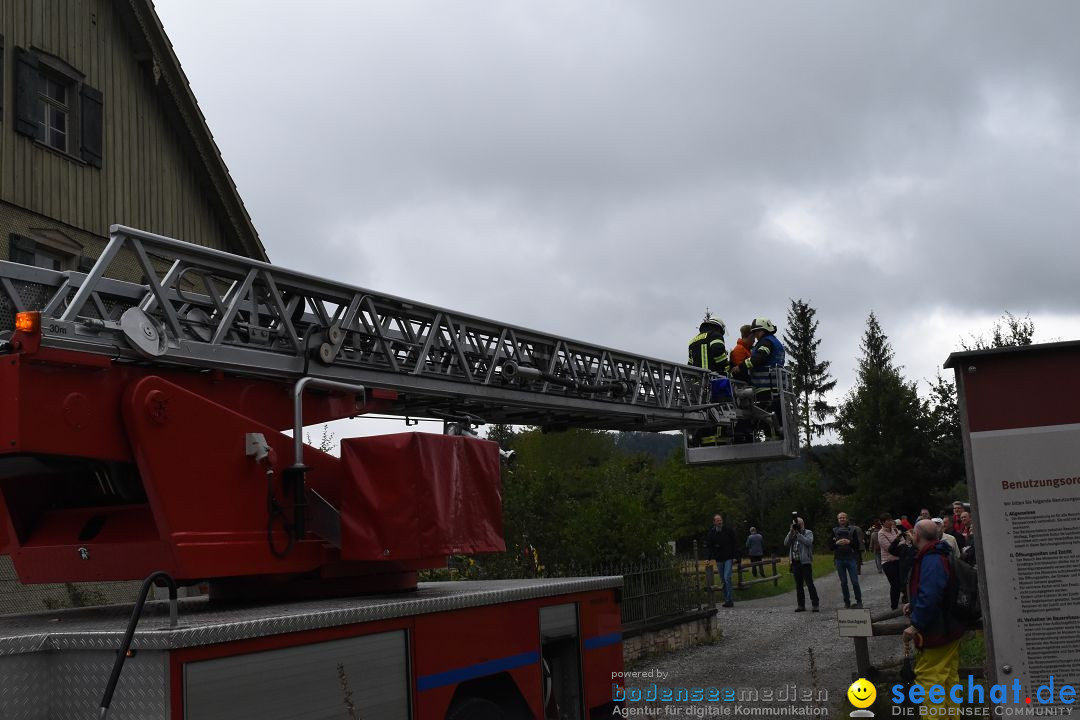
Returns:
(941, 608)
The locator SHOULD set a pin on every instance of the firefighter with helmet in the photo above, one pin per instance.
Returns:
(707, 349)
(766, 355)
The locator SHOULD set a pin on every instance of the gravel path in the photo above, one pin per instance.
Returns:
(765, 645)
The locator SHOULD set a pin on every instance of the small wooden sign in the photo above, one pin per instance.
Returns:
(854, 623)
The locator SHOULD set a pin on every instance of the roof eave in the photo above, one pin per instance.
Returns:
(142, 16)
(957, 357)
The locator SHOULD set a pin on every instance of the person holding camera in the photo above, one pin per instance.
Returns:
(845, 546)
(800, 544)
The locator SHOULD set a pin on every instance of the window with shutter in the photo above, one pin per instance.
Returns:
(26, 89)
(57, 108)
(54, 110)
(1, 77)
(91, 108)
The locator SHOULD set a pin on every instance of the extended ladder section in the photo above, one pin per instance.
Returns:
(203, 308)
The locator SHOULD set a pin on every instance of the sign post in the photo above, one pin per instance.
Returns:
(858, 625)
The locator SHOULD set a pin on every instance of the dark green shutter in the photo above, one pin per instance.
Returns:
(1, 77)
(86, 264)
(21, 249)
(26, 90)
(91, 112)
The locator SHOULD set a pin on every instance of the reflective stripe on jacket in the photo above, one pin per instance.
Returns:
(706, 350)
(768, 354)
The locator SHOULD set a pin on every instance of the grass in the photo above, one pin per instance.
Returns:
(973, 650)
(823, 565)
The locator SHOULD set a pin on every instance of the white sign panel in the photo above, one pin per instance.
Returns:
(854, 623)
(1027, 486)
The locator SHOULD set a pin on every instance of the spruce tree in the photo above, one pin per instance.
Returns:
(810, 378)
(877, 353)
(881, 424)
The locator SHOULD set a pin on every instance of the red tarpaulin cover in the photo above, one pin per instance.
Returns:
(418, 495)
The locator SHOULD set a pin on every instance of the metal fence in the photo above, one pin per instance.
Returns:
(657, 588)
(660, 588)
(653, 588)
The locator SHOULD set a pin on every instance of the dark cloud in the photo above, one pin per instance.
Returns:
(606, 170)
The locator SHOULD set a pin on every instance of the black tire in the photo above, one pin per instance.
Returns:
(475, 709)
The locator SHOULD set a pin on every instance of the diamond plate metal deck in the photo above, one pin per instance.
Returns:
(203, 622)
(41, 686)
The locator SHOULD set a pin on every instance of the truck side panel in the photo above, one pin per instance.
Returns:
(237, 652)
(601, 632)
(456, 647)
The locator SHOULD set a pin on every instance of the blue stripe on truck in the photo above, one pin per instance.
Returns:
(599, 641)
(469, 672)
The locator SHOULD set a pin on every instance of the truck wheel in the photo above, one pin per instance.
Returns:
(475, 709)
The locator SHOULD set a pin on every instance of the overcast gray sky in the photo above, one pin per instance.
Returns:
(606, 170)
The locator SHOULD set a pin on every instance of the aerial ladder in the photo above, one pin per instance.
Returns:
(154, 430)
(210, 342)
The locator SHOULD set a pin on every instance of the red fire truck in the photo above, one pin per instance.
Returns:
(146, 435)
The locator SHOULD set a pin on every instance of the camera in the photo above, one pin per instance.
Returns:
(794, 518)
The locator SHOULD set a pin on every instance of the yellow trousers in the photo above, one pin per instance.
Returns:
(938, 666)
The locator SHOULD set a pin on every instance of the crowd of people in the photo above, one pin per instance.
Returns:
(917, 558)
(889, 541)
(893, 544)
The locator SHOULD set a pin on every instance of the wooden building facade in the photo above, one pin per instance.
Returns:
(98, 125)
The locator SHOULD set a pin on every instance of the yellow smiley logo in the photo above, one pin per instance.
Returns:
(862, 693)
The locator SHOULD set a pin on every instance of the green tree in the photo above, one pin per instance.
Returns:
(501, 434)
(579, 502)
(802, 490)
(877, 353)
(943, 418)
(1007, 331)
(881, 426)
(810, 376)
(944, 435)
(691, 496)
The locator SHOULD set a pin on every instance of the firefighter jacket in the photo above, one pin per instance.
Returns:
(768, 354)
(707, 351)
